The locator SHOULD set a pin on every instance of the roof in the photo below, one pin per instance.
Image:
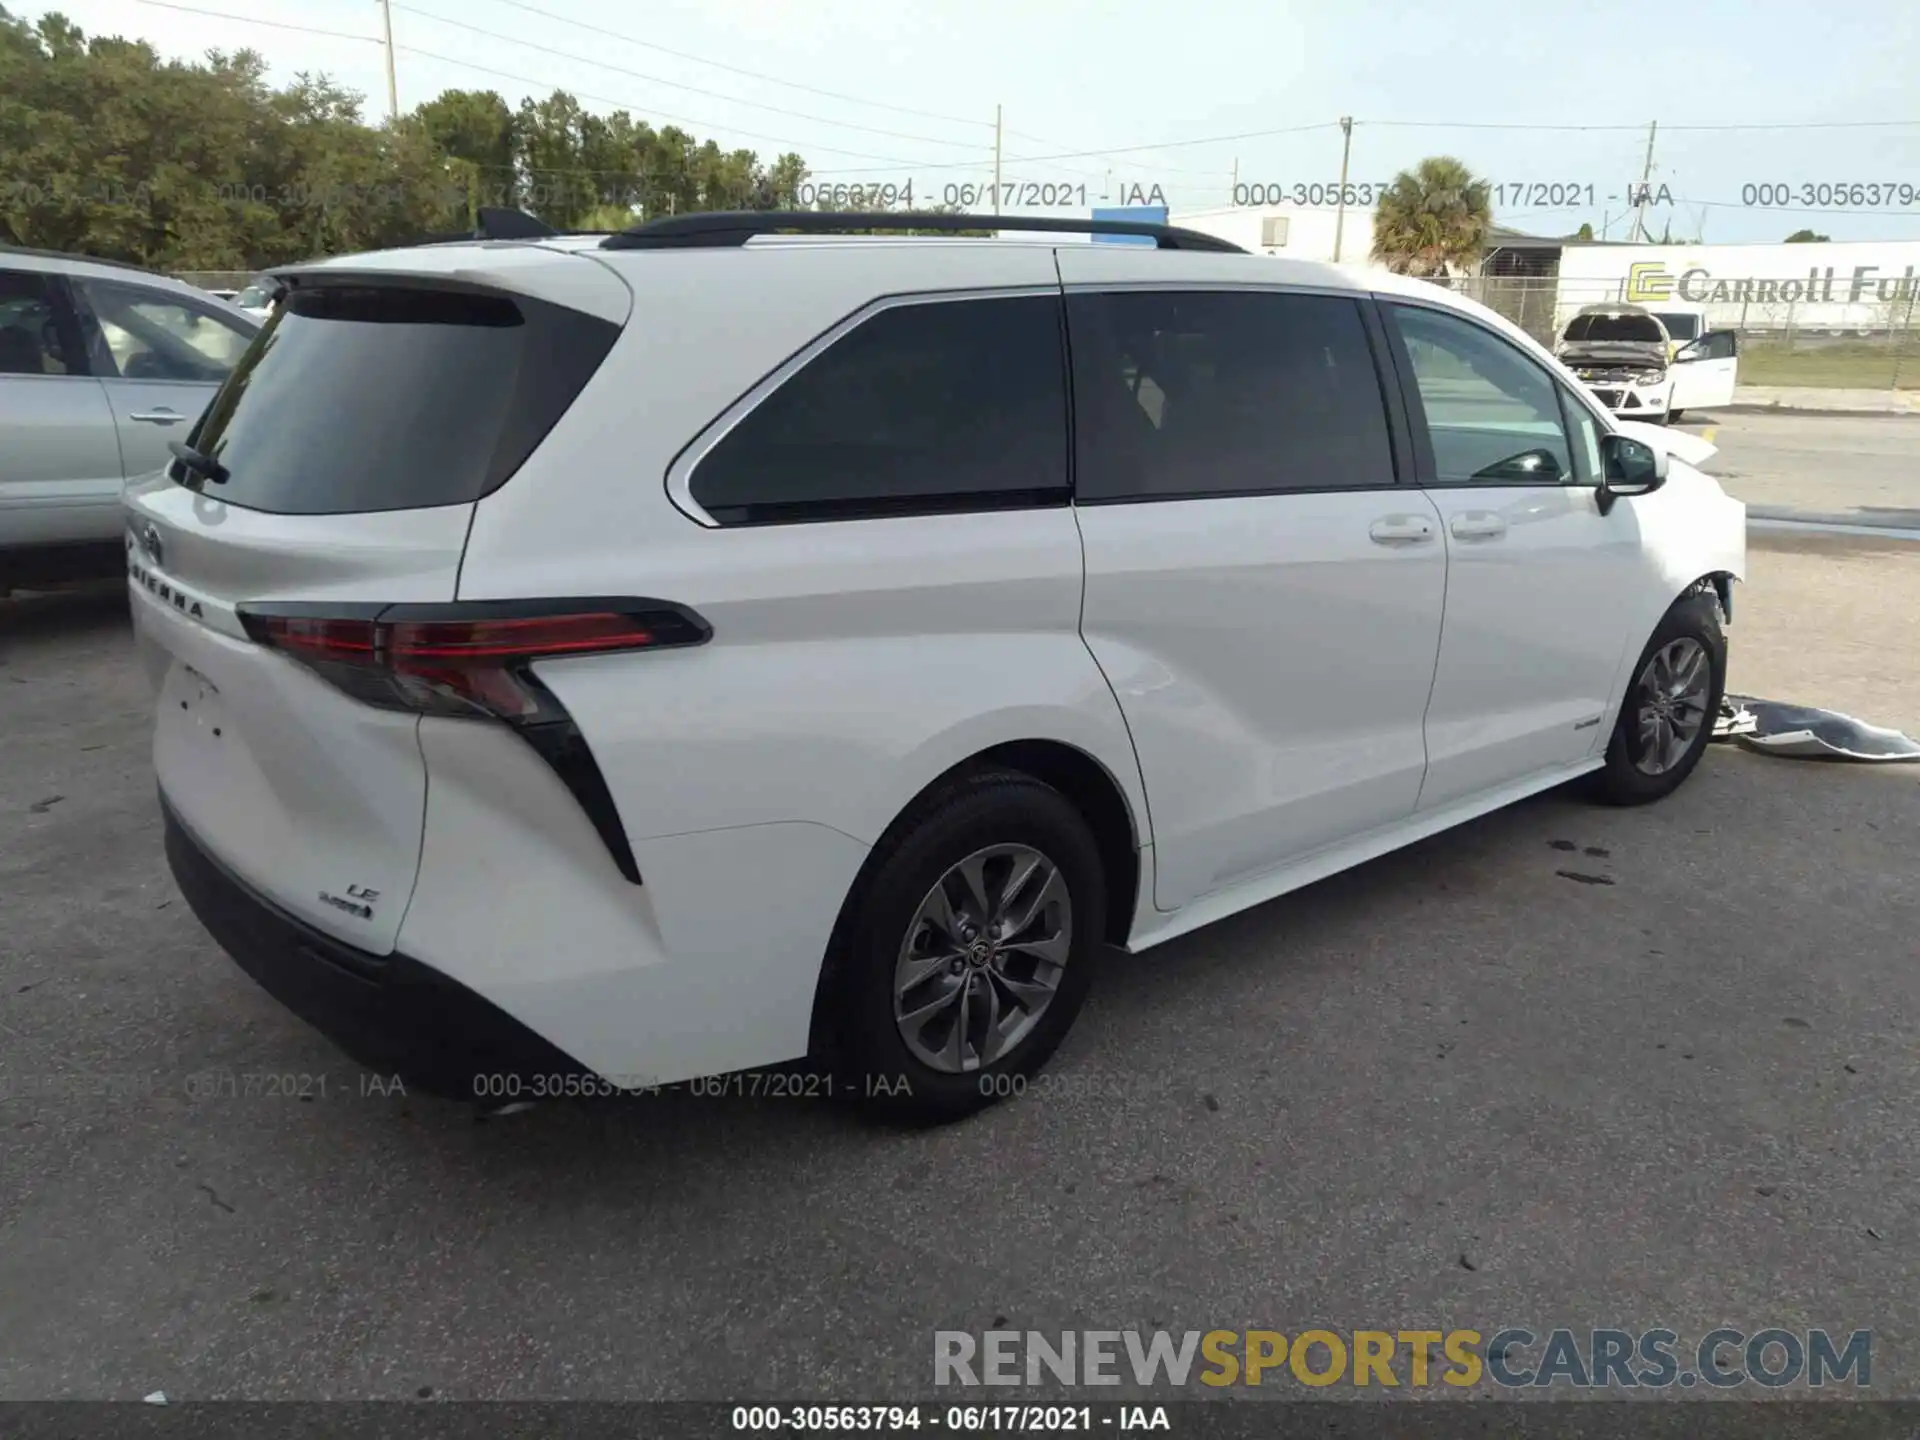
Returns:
(1499, 238)
(72, 258)
(738, 227)
(61, 262)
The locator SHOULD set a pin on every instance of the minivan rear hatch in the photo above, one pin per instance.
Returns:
(329, 484)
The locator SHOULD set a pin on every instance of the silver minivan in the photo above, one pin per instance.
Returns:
(101, 364)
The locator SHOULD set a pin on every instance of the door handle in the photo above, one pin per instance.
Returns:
(1401, 530)
(1478, 525)
(160, 415)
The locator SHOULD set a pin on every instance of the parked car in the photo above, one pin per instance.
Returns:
(1640, 371)
(100, 366)
(256, 299)
(815, 654)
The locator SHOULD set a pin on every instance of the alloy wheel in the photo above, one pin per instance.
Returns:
(1671, 705)
(982, 958)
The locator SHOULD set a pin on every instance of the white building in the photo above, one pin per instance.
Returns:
(1295, 232)
(1869, 285)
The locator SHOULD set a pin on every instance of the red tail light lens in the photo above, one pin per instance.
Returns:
(466, 659)
(476, 660)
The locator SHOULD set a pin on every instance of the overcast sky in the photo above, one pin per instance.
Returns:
(910, 88)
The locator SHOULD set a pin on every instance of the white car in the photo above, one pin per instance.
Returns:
(589, 664)
(256, 299)
(1642, 370)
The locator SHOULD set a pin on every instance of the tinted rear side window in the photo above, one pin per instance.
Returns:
(363, 398)
(1180, 394)
(922, 407)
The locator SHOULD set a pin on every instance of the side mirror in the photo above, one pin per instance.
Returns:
(1628, 467)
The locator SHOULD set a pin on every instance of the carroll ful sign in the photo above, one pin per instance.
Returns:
(1651, 281)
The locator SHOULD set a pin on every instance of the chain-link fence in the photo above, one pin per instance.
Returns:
(1872, 343)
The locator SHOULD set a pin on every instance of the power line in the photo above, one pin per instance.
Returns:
(676, 85)
(1136, 149)
(893, 161)
(737, 70)
(898, 163)
(273, 24)
(628, 105)
(1757, 125)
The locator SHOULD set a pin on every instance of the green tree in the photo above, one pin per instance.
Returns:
(1805, 237)
(1433, 219)
(106, 149)
(473, 130)
(1585, 232)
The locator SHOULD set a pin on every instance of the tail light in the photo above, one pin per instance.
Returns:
(475, 660)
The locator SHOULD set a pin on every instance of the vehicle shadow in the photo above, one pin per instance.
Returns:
(53, 615)
(1300, 940)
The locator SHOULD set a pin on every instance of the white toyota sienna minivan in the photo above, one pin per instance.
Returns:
(590, 663)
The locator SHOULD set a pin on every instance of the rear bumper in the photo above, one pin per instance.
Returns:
(387, 1012)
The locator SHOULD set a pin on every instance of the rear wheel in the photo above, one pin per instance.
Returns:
(969, 950)
(1666, 718)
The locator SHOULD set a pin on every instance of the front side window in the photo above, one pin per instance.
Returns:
(938, 405)
(29, 329)
(148, 335)
(1586, 433)
(1182, 394)
(1717, 345)
(1491, 411)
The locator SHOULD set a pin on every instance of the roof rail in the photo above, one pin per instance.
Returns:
(736, 227)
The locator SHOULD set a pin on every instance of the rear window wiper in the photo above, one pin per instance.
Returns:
(201, 464)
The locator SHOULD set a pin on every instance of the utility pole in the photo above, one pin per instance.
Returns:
(1646, 180)
(1340, 214)
(393, 88)
(996, 159)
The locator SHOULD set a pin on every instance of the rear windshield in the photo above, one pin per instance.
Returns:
(370, 397)
(1681, 327)
(1602, 329)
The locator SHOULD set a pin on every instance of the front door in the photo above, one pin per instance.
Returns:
(161, 357)
(1536, 575)
(59, 461)
(1703, 373)
(1261, 595)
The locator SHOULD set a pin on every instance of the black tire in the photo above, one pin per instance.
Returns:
(1673, 416)
(1623, 781)
(861, 1041)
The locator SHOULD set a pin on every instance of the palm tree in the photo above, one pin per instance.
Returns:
(1433, 220)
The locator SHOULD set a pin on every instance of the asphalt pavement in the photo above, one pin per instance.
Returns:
(1566, 1066)
(1848, 469)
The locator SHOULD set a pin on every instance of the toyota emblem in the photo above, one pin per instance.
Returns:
(150, 542)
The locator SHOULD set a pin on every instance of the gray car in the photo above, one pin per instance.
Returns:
(101, 364)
